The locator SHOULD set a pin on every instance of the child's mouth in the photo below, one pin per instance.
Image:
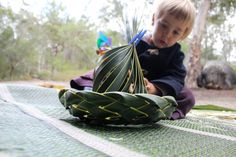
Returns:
(162, 42)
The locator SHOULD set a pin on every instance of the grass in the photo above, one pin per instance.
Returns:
(212, 107)
(68, 75)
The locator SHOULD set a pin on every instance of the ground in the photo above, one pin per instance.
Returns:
(224, 98)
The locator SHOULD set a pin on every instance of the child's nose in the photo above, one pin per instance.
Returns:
(168, 34)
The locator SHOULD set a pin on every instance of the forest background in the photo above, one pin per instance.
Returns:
(53, 45)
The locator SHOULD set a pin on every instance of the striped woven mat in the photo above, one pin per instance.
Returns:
(33, 123)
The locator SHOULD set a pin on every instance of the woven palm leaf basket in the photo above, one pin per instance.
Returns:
(119, 96)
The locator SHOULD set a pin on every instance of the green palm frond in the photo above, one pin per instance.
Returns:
(119, 70)
(116, 107)
(119, 95)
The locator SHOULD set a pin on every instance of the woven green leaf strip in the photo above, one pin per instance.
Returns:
(116, 107)
(119, 95)
(119, 70)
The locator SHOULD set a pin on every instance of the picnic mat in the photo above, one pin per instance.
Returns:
(34, 123)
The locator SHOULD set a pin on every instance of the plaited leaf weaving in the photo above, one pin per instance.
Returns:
(119, 95)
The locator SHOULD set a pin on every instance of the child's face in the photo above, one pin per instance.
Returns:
(167, 30)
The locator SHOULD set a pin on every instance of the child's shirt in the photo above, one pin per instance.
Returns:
(163, 67)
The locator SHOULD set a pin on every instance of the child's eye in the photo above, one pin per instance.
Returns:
(176, 33)
(163, 25)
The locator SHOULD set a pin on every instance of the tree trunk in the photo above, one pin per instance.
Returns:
(194, 65)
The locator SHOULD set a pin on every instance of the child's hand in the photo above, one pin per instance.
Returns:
(151, 89)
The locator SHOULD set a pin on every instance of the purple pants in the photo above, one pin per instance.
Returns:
(185, 99)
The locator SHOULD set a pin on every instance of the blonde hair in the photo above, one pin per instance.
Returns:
(182, 9)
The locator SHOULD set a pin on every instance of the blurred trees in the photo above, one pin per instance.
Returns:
(194, 65)
(218, 30)
(42, 46)
(12, 48)
(54, 43)
(211, 21)
(128, 20)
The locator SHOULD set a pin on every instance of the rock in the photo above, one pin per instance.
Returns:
(217, 75)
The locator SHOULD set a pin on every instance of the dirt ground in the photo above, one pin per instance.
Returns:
(224, 98)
